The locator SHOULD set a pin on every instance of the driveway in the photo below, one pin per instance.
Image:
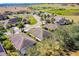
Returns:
(38, 24)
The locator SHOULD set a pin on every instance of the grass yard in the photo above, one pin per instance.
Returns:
(32, 20)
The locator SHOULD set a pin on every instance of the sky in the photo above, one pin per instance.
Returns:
(38, 1)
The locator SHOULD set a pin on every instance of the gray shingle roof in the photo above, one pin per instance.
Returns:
(2, 51)
(58, 18)
(21, 40)
(46, 34)
(12, 21)
(51, 26)
(37, 32)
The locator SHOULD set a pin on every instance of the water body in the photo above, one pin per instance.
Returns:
(17, 4)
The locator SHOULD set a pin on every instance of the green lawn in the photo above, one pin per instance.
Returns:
(32, 20)
(58, 9)
(61, 12)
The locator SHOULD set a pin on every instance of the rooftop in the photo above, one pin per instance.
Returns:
(58, 18)
(2, 51)
(21, 40)
(51, 26)
(37, 32)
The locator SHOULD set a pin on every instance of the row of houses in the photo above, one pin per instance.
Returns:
(52, 18)
(14, 21)
(21, 41)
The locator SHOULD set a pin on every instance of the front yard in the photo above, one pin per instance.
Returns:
(32, 20)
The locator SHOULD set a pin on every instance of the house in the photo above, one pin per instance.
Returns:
(61, 21)
(22, 41)
(46, 34)
(39, 33)
(3, 17)
(14, 20)
(50, 26)
(2, 51)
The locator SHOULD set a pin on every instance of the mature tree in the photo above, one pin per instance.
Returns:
(20, 25)
(63, 40)
(8, 45)
(2, 35)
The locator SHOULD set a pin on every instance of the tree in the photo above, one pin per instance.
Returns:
(64, 39)
(2, 35)
(8, 45)
(21, 25)
(46, 47)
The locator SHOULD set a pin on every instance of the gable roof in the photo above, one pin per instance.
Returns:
(14, 20)
(37, 32)
(21, 40)
(50, 26)
(28, 42)
(2, 51)
(47, 34)
(58, 18)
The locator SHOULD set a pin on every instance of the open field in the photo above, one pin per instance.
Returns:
(74, 18)
(61, 11)
(69, 6)
(13, 9)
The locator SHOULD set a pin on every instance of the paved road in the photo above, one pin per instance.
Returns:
(38, 24)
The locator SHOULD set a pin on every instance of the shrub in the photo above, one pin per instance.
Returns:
(8, 45)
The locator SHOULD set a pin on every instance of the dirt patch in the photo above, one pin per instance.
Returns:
(13, 9)
(74, 53)
(76, 14)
